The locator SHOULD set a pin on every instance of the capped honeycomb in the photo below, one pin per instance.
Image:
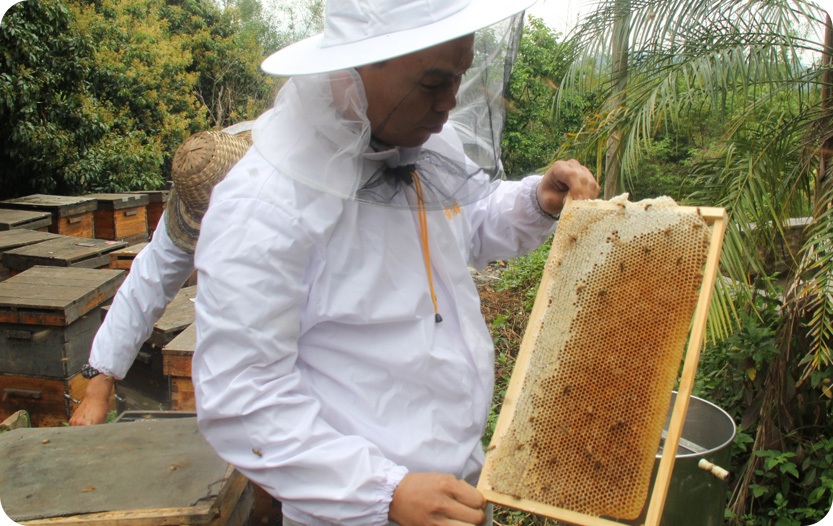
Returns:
(589, 417)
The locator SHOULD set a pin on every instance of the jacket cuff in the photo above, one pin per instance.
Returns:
(391, 481)
(531, 204)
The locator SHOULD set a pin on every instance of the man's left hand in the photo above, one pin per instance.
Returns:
(565, 178)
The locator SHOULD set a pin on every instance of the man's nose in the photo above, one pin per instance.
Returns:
(446, 100)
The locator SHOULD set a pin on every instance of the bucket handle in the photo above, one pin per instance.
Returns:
(714, 469)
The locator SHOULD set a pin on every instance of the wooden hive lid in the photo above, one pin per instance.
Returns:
(58, 205)
(131, 251)
(183, 344)
(63, 251)
(179, 315)
(154, 196)
(16, 219)
(55, 296)
(119, 201)
(129, 471)
(19, 237)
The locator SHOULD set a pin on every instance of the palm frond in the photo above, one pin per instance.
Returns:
(723, 56)
(814, 286)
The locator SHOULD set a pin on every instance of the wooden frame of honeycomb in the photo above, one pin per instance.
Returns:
(625, 286)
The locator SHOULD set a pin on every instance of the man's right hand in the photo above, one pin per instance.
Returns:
(423, 499)
(96, 401)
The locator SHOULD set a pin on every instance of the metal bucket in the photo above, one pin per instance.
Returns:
(696, 497)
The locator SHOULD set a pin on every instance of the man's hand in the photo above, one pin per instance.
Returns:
(428, 499)
(94, 405)
(562, 178)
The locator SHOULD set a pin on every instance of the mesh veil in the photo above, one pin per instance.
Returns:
(318, 134)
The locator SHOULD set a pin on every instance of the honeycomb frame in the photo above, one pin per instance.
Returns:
(508, 440)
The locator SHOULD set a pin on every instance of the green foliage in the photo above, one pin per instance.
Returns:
(143, 92)
(532, 134)
(98, 95)
(227, 46)
(662, 170)
(45, 102)
(790, 483)
(523, 274)
(793, 489)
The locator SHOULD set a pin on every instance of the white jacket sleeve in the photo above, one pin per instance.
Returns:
(255, 263)
(156, 275)
(508, 223)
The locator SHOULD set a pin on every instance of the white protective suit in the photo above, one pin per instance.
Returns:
(320, 371)
(156, 275)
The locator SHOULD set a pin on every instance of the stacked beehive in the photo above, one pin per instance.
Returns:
(55, 283)
(48, 318)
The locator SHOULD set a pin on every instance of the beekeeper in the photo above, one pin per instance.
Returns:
(161, 268)
(342, 361)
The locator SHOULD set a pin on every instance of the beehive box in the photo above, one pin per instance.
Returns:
(147, 385)
(89, 475)
(123, 259)
(588, 398)
(11, 239)
(28, 219)
(177, 365)
(157, 200)
(49, 402)
(121, 217)
(71, 215)
(48, 319)
(63, 251)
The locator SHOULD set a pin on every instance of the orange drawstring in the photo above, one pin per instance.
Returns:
(423, 230)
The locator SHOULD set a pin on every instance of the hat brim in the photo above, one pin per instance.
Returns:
(181, 228)
(307, 57)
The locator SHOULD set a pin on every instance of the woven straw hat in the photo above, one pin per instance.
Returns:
(359, 32)
(199, 164)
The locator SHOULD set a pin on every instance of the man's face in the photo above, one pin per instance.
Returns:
(409, 97)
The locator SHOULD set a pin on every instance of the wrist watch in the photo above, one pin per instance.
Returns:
(88, 371)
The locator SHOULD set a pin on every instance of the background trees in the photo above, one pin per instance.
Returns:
(99, 94)
(45, 103)
(534, 132)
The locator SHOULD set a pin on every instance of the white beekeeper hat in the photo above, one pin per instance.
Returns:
(359, 32)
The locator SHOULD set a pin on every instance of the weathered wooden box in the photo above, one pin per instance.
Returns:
(121, 217)
(179, 315)
(49, 401)
(157, 200)
(71, 215)
(146, 385)
(123, 259)
(63, 251)
(49, 316)
(11, 239)
(44, 350)
(11, 219)
(177, 365)
(146, 473)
